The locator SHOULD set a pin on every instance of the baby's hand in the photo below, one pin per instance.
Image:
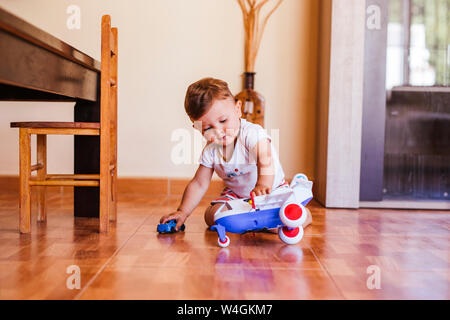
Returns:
(179, 216)
(261, 189)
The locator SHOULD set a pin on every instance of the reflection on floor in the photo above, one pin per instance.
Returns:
(410, 249)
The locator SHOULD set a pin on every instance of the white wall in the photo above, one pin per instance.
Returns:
(164, 45)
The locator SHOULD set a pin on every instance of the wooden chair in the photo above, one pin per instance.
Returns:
(106, 129)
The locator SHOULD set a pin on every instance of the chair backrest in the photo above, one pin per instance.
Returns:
(108, 104)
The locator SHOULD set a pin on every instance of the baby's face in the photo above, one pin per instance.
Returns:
(221, 123)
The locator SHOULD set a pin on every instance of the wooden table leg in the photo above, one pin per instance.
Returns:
(41, 174)
(87, 160)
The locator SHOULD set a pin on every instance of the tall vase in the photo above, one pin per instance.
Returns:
(253, 103)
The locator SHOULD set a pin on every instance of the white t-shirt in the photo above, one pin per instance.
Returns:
(240, 174)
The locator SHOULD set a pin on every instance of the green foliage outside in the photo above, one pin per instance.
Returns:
(435, 15)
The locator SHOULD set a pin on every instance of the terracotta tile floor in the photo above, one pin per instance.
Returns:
(410, 248)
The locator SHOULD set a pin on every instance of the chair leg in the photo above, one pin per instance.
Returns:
(25, 172)
(105, 185)
(114, 59)
(41, 175)
(113, 204)
(105, 195)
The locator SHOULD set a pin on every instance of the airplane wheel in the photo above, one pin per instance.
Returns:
(290, 236)
(224, 244)
(292, 214)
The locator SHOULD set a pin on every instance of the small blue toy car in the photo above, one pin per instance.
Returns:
(169, 227)
(282, 209)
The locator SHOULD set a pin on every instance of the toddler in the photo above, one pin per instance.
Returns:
(239, 151)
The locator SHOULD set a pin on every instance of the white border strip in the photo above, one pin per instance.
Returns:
(399, 204)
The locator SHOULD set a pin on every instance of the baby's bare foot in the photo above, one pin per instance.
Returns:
(308, 219)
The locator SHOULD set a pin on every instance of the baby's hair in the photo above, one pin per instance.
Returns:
(201, 94)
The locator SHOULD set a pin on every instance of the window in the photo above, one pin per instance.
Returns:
(418, 43)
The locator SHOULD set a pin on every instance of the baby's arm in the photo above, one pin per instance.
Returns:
(266, 168)
(191, 197)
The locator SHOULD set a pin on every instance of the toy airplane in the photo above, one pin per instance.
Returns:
(283, 209)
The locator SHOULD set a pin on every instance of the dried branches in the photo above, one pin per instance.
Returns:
(254, 29)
